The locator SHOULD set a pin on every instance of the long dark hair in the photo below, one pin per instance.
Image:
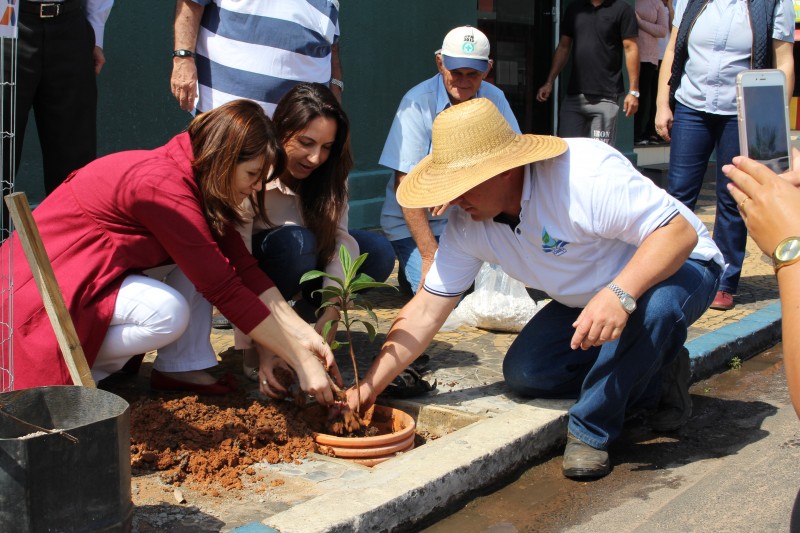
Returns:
(222, 138)
(323, 194)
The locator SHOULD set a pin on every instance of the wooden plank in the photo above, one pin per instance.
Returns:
(67, 337)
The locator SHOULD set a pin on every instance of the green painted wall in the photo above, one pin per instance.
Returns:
(387, 47)
(135, 106)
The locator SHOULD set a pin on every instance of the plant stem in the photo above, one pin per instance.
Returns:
(346, 321)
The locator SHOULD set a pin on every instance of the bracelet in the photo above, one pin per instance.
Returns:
(181, 52)
(338, 83)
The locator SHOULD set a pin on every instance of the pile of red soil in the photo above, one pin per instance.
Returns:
(215, 440)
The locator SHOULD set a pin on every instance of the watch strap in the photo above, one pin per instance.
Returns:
(622, 295)
(182, 52)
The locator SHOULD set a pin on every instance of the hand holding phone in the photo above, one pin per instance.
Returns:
(764, 117)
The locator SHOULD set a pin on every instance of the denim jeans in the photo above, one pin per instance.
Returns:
(617, 376)
(695, 135)
(409, 264)
(287, 252)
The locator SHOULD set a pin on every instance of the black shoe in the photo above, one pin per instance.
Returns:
(642, 142)
(408, 384)
(582, 461)
(675, 407)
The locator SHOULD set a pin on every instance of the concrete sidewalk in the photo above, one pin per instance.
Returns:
(476, 432)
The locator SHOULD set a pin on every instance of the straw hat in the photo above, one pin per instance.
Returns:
(472, 142)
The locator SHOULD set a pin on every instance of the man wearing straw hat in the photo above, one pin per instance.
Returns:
(463, 63)
(628, 267)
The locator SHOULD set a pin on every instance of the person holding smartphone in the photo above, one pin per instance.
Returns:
(769, 204)
(711, 42)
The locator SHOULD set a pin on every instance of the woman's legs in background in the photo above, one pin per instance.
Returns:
(380, 259)
(730, 232)
(690, 149)
(286, 253)
(187, 356)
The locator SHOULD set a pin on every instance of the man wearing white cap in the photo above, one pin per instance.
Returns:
(629, 269)
(463, 64)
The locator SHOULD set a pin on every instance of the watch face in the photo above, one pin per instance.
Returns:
(788, 249)
(628, 303)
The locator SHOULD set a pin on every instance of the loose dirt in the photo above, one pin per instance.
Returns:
(195, 459)
(215, 441)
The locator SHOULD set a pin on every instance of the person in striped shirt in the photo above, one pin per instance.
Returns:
(227, 49)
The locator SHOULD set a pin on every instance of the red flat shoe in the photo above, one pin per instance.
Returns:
(161, 382)
(723, 301)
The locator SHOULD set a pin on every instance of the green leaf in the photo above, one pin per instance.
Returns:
(372, 315)
(329, 292)
(327, 329)
(370, 330)
(357, 285)
(335, 345)
(357, 264)
(345, 259)
(311, 274)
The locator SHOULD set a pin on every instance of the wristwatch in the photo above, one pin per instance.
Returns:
(786, 253)
(634, 93)
(338, 83)
(628, 302)
(182, 53)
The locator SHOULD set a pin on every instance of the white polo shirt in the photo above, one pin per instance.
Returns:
(584, 214)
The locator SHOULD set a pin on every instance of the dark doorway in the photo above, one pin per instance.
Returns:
(521, 33)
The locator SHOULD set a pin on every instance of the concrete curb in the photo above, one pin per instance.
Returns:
(415, 486)
(750, 335)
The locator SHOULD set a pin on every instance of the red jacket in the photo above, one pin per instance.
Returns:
(117, 216)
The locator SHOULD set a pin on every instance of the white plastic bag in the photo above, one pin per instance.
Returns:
(498, 303)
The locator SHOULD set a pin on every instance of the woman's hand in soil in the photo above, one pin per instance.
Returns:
(284, 333)
(315, 381)
(268, 383)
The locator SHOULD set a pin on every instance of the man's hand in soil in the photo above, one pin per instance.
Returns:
(368, 397)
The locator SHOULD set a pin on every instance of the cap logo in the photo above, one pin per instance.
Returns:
(468, 48)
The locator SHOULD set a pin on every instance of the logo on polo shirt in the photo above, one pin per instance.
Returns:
(551, 245)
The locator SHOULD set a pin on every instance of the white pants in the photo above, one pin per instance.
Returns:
(169, 315)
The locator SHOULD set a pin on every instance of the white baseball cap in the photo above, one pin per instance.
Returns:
(465, 47)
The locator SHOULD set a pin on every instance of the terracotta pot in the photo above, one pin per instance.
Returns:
(396, 435)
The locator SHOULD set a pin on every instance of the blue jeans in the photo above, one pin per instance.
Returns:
(287, 252)
(695, 135)
(616, 376)
(409, 264)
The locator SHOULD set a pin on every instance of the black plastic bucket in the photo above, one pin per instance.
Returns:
(50, 483)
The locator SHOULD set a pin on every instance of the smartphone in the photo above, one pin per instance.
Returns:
(764, 117)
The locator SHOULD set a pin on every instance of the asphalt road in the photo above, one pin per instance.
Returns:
(734, 467)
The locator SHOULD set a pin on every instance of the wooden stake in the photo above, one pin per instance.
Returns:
(67, 337)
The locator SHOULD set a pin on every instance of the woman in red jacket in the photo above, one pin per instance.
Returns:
(129, 212)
